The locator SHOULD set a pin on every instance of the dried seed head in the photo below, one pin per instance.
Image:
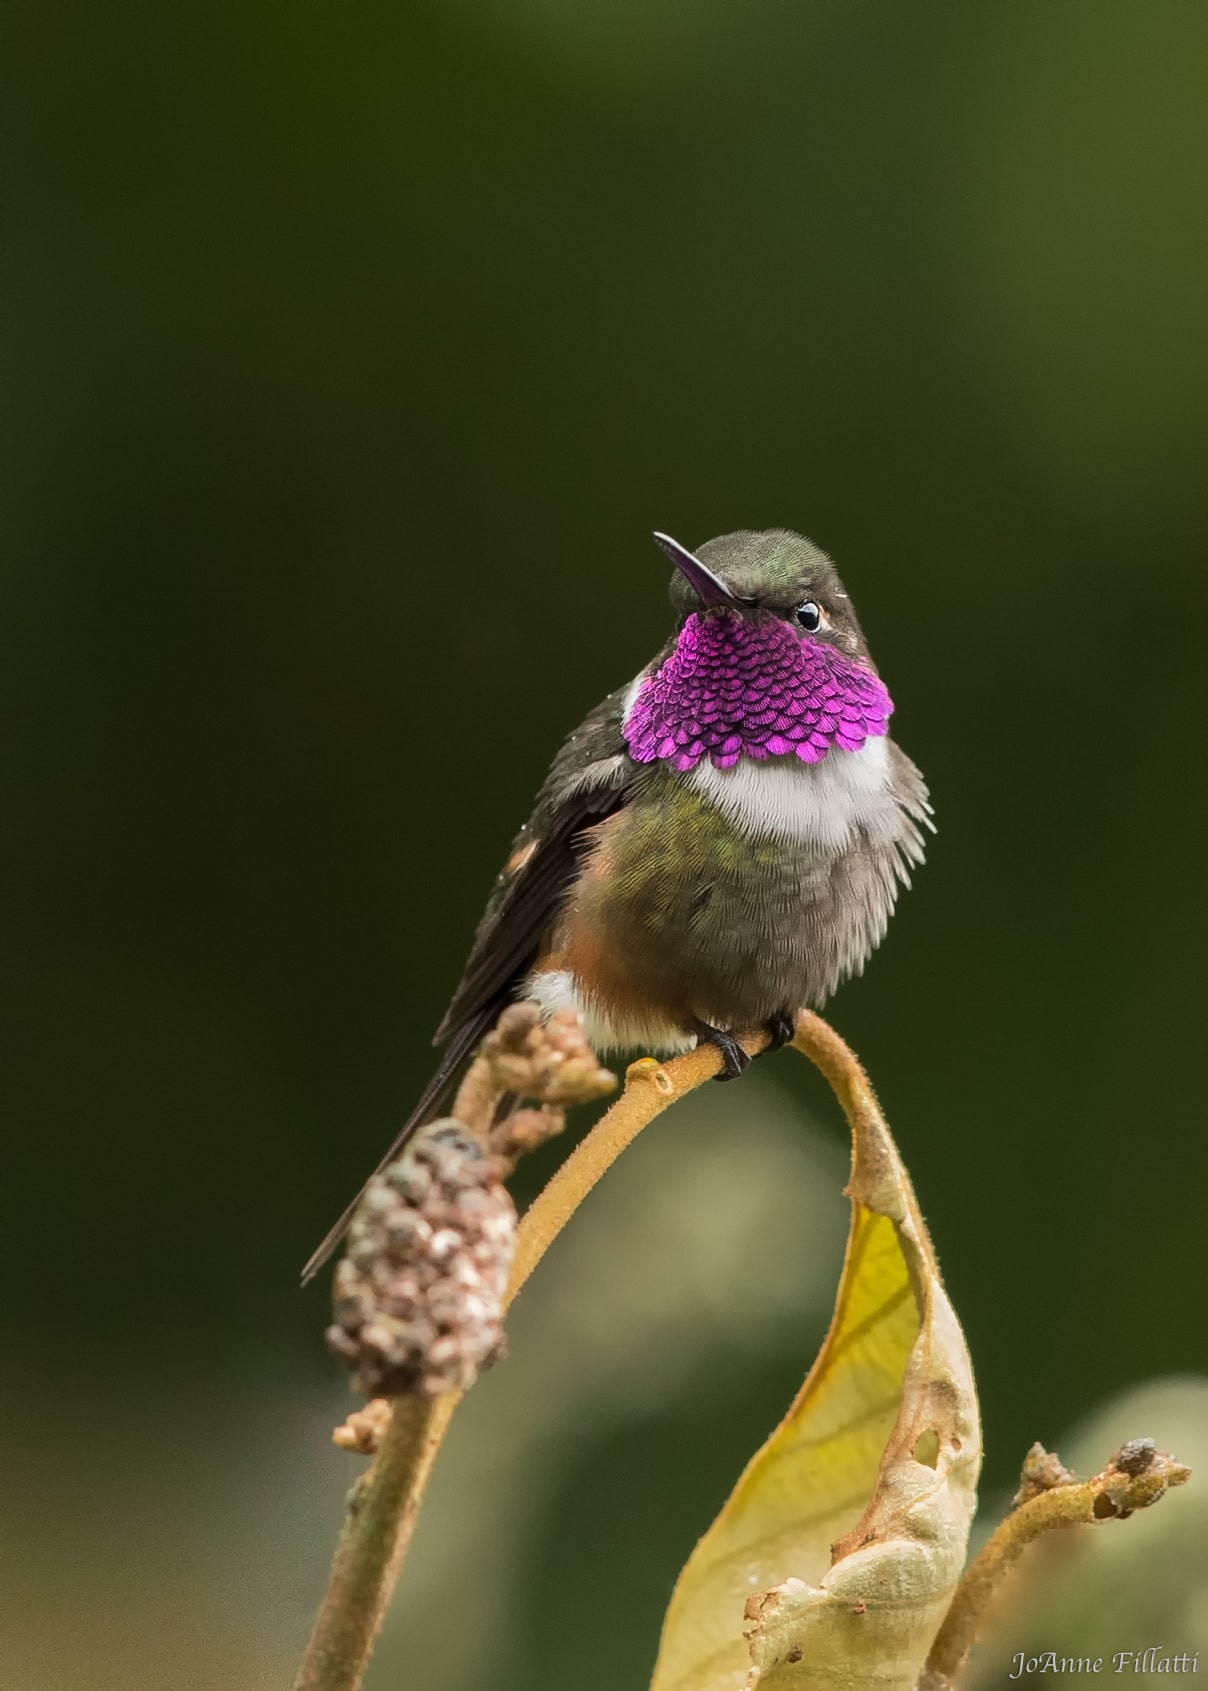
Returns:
(1135, 1455)
(523, 1130)
(1042, 1470)
(548, 1061)
(419, 1295)
(362, 1432)
(1136, 1476)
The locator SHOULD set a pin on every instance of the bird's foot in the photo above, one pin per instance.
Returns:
(734, 1058)
(783, 1028)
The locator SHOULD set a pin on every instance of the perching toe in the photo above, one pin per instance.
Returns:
(734, 1058)
(783, 1028)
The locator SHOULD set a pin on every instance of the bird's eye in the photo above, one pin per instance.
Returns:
(809, 616)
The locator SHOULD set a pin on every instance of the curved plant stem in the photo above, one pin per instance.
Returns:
(650, 1087)
(1134, 1478)
(839, 1066)
(383, 1507)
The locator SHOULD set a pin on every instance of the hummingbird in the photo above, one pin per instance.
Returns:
(720, 842)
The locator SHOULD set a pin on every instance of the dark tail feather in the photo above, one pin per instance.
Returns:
(430, 1100)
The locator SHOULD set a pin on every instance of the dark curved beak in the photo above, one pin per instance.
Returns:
(710, 589)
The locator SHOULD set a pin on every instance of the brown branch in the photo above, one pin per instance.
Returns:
(839, 1066)
(1136, 1476)
(385, 1504)
(381, 1517)
(650, 1086)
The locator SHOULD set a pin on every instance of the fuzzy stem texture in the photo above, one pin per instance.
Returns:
(384, 1505)
(840, 1068)
(1136, 1476)
(382, 1512)
(650, 1086)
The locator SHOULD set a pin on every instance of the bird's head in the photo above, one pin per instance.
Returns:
(769, 659)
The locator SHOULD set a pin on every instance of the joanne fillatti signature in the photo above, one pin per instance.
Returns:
(1156, 1659)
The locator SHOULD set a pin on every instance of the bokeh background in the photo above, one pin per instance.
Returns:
(350, 357)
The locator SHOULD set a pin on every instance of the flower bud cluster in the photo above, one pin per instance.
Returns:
(419, 1295)
(550, 1060)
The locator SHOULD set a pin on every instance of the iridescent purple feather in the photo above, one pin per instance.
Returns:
(738, 686)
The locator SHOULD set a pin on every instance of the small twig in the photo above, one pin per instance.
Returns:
(381, 1517)
(843, 1072)
(1136, 1476)
(650, 1086)
(384, 1505)
(362, 1432)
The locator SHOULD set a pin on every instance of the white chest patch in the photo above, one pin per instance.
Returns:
(820, 804)
(558, 989)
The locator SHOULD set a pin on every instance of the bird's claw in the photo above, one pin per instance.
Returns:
(783, 1030)
(734, 1058)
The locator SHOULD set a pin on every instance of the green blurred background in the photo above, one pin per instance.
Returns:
(350, 357)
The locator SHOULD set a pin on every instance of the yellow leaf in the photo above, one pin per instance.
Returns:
(843, 1541)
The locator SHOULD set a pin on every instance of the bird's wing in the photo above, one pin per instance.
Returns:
(587, 782)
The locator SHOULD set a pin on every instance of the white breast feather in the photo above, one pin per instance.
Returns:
(558, 989)
(820, 804)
